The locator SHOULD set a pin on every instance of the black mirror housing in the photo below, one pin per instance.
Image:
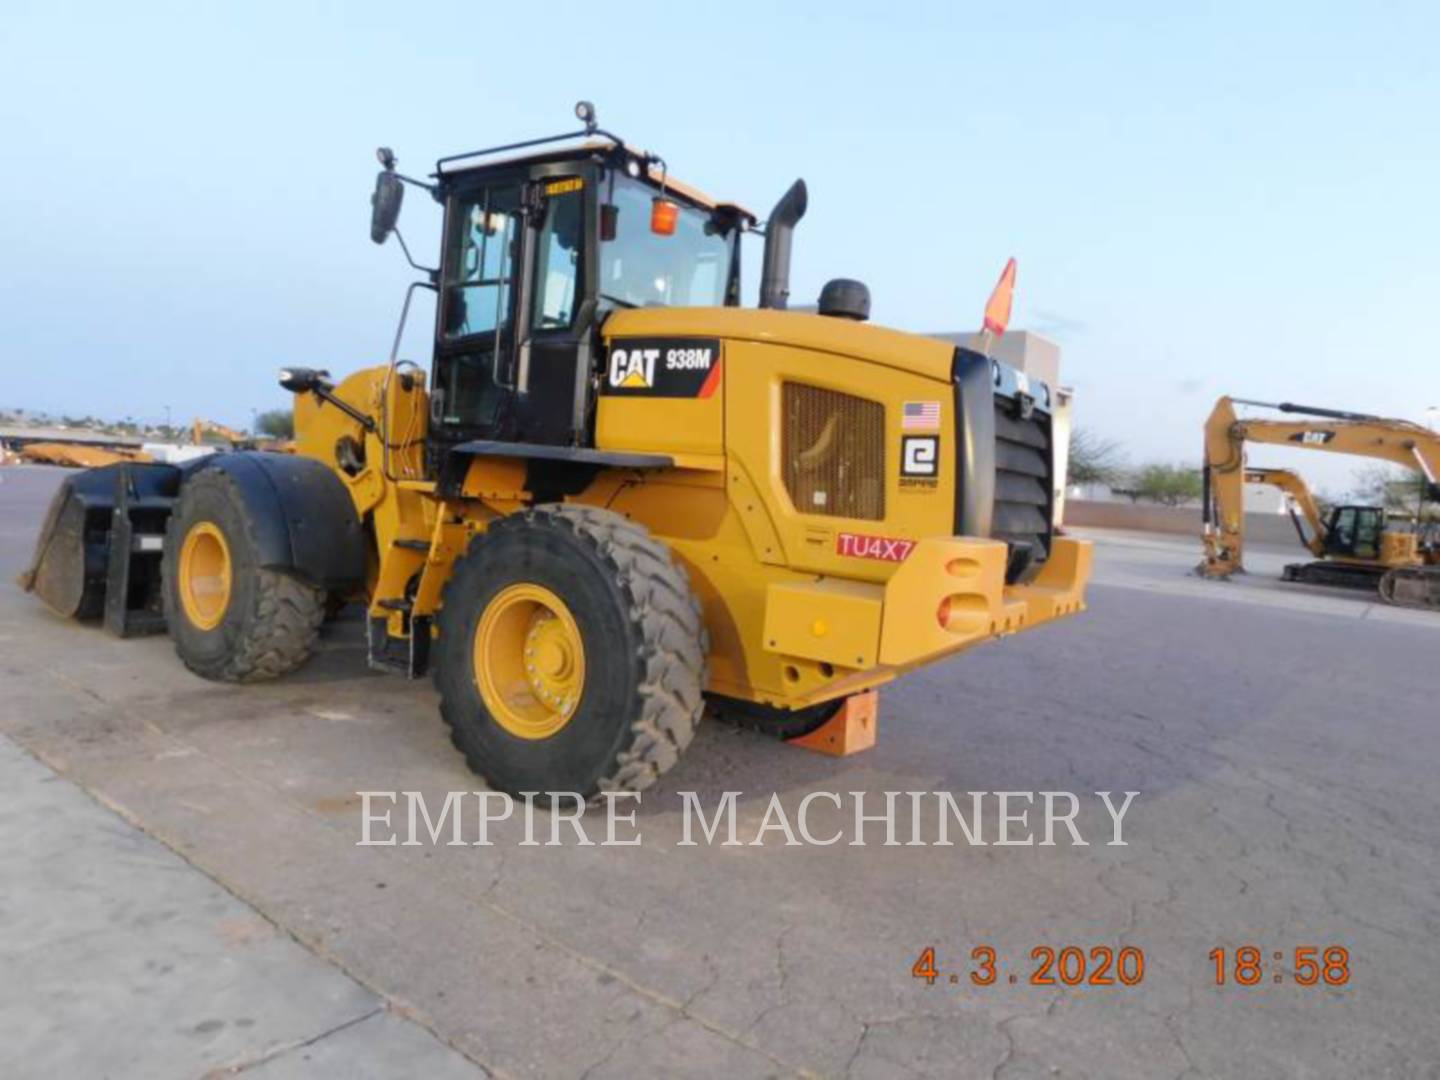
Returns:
(385, 205)
(300, 380)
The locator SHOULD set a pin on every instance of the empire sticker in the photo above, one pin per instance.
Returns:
(919, 462)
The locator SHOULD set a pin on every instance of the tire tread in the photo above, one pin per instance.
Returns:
(674, 641)
(288, 611)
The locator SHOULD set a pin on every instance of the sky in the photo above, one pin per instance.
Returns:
(1203, 198)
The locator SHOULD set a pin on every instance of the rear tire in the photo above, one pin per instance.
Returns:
(637, 633)
(267, 622)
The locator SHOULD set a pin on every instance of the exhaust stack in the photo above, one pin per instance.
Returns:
(775, 277)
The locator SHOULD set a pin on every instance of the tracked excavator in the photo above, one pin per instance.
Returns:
(1363, 547)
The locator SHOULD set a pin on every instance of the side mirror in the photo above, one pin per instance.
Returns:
(300, 380)
(385, 203)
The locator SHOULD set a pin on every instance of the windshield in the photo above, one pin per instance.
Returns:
(641, 269)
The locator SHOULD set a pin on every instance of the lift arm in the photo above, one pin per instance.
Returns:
(1330, 431)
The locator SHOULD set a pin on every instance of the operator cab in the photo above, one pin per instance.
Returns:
(1355, 532)
(537, 252)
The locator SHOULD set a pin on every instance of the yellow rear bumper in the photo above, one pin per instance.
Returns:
(897, 624)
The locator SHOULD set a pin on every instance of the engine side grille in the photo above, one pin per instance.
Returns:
(834, 452)
(1022, 480)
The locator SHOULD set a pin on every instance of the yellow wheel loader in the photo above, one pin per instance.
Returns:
(1363, 547)
(617, 497)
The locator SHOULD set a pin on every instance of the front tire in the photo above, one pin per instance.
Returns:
(231, 619)
(571, 655)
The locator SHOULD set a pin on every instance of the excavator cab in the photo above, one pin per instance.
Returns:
(1355, 532)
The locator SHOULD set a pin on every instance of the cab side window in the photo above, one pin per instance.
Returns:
(482, 259)
(482, 251)
(1342, 532)
(1368, 527)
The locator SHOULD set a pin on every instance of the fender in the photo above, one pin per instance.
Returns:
(304, 518)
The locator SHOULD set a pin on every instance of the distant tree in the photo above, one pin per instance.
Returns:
(1388, 486)
(1094, 460)
(1326, 500)
(1170, 485)
(277, 423)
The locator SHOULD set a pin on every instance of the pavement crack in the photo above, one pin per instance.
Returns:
(657, 997)
(1003, 1027)
(245, 1064)
(600, 1062)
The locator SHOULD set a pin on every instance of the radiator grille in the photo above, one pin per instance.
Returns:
(1022, 480)
(834, 452)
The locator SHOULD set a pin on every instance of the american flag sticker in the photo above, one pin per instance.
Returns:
(920, 416)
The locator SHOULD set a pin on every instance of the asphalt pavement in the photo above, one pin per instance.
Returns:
(182, 888)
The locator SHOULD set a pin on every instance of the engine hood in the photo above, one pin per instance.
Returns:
(861, 341)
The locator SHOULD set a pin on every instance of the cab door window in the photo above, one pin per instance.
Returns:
(558, 255)
(1369, 524)
(1342, 531)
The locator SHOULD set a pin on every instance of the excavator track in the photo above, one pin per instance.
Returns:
(1334, 575)
(1416, 587)
(1412, 587)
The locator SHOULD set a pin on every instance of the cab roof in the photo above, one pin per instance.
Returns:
(456, 165)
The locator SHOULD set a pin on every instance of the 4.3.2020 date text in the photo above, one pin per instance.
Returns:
(1069, 965)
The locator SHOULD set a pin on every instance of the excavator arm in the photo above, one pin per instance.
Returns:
(201, 427)
(1330, 431)
(1302, 504)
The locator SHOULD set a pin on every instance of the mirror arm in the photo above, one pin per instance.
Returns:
(324, 393)
(416, 183)
(431, 273)
(307, 381)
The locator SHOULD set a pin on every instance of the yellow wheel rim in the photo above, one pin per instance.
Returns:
(205, 575)
(529, 661)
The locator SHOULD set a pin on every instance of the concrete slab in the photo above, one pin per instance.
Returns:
(378, 1047)
(121, 959)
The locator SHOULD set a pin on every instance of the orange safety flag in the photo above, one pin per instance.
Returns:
(997, 309)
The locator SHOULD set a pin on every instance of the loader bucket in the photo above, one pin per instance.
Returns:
(102, 540)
